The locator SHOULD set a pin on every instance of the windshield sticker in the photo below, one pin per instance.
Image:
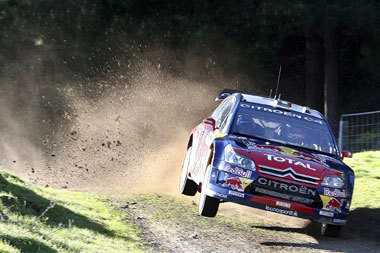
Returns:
(280, 112)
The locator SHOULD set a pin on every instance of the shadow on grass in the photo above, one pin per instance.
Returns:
(27, 244)
(361, 230)
(27, 202)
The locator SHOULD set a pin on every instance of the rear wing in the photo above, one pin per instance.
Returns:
(226, 92)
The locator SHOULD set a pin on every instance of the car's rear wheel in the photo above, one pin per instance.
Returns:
(208, 206)
(186, 185)
(330, 230)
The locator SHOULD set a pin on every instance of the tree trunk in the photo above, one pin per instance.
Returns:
(331, 78)
(314, 69)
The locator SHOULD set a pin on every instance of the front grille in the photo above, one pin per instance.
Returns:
(282, 190)
(288, 172)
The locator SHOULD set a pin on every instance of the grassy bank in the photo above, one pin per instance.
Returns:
(367, 179)
(35, 219)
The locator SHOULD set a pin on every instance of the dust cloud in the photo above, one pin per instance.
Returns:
(122, 138)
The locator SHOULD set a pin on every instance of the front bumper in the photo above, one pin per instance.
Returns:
(235, 193)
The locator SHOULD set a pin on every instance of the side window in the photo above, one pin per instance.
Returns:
(217, 113)
(223, 113)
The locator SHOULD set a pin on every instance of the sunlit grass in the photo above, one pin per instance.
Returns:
(75, 222)
(367, 179)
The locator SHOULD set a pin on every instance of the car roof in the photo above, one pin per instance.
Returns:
(280, 104)
(268, 101)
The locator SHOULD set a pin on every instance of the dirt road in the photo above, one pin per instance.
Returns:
(172, 224)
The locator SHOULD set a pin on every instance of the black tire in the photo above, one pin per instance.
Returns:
(208, 206)
(187, 186)
(330, 230)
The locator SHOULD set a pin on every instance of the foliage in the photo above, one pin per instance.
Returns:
(92, 38)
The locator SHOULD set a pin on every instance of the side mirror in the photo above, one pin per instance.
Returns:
(347, 154)
(210, 121)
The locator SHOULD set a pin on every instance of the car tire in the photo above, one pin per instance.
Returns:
(208, 206)
(187, 186)
(330, 230)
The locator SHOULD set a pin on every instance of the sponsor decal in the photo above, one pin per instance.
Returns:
(340, 221)
(324, 213)
(286, 151)
(288, 160)
(234, 183)
(287, 187)
(283, 204)
(335, 193)
(237, 194)
(333, 205)
(281, 112)
(238, 171)
(218, 194)
(284, 196)
(278, 210)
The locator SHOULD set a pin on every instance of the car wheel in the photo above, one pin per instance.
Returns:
(187, 186)
(208, 206)
(330, 230)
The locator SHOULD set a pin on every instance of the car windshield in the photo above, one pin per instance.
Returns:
(284, 127)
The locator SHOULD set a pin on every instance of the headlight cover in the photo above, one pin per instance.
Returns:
(230, 156)
(333, 181)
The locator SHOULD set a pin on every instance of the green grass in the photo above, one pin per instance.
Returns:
(367, 179)
(78, 222)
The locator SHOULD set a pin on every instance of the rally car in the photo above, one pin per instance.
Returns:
(270, 154)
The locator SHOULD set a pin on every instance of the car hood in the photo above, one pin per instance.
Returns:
(287, 162)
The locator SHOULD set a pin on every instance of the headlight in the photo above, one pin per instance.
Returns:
(239, 160)
(333, 181)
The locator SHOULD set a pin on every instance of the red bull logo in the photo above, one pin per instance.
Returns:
(234, 183)
(333, 205)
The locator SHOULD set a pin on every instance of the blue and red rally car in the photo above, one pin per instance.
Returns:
(269, 154)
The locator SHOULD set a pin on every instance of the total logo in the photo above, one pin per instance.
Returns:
(288, 160)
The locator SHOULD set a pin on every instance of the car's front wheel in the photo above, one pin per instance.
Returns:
(208, 206)
(186, 185)
(330, 230)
